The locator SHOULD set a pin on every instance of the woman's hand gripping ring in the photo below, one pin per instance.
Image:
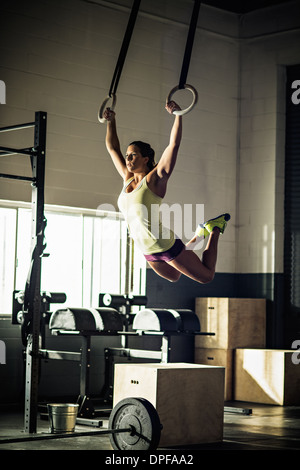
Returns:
(189, 108)
(103, 107)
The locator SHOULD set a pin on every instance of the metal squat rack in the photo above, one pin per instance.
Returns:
(32, 297)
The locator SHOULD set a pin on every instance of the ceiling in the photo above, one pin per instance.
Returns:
(242, 6)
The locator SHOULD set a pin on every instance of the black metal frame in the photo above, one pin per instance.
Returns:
(86, 411)
(37, 155)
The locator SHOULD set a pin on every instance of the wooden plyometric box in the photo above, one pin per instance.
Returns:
(266, 376)
(218, 357)
(189, 398)
(236, 323)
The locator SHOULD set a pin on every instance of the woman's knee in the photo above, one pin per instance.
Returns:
(166, 271)
(174, 277)
(207, 277)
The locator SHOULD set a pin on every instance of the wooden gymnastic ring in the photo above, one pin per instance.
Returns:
(103, 107)
(189, 108)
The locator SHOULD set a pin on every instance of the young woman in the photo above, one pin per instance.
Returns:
(145, 185)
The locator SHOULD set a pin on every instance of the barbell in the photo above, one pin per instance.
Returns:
(134, 424)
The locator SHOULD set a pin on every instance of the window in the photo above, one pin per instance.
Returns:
(85, 256)
(104, 257)
(62, 269)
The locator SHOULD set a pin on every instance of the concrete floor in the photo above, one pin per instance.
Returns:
(267, 428)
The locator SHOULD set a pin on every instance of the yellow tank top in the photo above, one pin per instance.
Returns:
(141, 210)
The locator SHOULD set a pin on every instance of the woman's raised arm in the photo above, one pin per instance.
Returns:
(113, 144)
(168, 159)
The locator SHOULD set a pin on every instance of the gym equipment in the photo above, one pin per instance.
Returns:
(184, 69)
(161, 323)
(32, 296)
(186, 62)
(139, 415)
(123, 304)
(167, 328)
(181, 320)
(120, 62)
(121, 300)
(133, 425)
(104, 106)
(166, 325)
(85, 323)
(194, 98)
(19, 317)
(94, 319)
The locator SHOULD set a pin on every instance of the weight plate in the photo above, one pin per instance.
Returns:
(140, 415)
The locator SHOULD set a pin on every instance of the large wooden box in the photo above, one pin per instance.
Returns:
(237, 323)
(189, 398)
(218, 357)
(266, 376)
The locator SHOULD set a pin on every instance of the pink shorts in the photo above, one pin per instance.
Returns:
(168, 255)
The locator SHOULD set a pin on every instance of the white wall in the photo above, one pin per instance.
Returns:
(59, 57)
(271, 41)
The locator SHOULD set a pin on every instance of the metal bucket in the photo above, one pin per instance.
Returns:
(62, 417)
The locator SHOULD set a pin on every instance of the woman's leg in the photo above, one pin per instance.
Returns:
(163, 269)
(188, 263)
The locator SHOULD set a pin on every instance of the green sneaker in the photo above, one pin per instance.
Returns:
(201, 231)
(220, 221)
